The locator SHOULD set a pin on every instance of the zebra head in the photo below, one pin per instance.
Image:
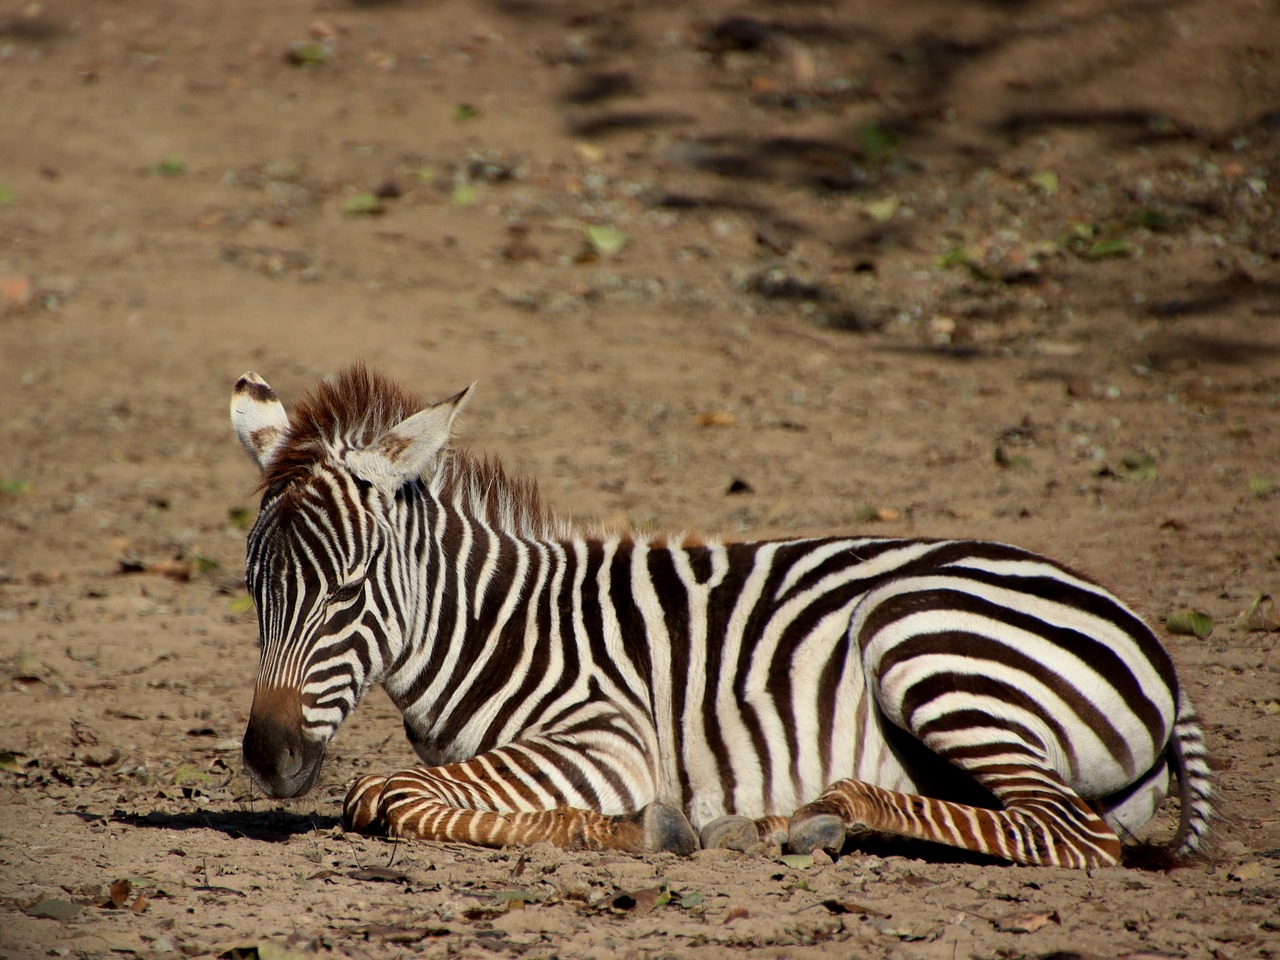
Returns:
(321, 556)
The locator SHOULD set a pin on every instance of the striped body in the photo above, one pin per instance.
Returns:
(566, 687)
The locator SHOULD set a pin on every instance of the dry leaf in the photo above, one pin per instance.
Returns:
(82, 734)
(380, 875)
(1246, 872)
(716, 418)
(62, 910)
(1026, 922)
(737, 913)
(16, 293)
(1261, 616)
(848, 906)
(118, 894)
(640, 901)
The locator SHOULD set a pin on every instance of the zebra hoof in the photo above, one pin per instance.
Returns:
(667, 830)
(731, 833)
(360, 808)
(816, 831)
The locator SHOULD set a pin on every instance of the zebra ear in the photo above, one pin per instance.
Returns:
(410, 448)
(258, 417)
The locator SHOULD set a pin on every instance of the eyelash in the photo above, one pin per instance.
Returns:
(349, 592)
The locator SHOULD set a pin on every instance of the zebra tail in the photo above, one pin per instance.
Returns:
(1190, 760)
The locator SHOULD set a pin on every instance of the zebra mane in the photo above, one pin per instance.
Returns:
(355, 408)
(481, 488)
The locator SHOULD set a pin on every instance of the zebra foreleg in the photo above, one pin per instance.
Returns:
(745, 834)
(412, 805)
(1036, 827)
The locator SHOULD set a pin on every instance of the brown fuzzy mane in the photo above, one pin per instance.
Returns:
(358, 406)
(354, 409)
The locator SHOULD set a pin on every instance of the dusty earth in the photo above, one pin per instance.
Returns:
(937, 268)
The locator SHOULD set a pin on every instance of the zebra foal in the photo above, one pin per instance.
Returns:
(637, 693)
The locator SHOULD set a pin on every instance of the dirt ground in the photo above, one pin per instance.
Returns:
(1008, 270)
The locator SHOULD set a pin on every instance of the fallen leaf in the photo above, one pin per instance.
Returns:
(879, 145)
(691, 899)
(1261, 616)
(11, 761)
(174, 569)
(1046, 181)
(302, 54)
(16, 293)
(102, 757)
(1141, 467)
(878, 515)
(883, 926)
(518, 896)
(848, 906)
(1026, 922)
(63, 910)
(1002, 458)
(82, 734)
(380, 875)
(641, 901)
(797, 861)
(1111, 247)
(171, 167)
(464, 194)
(364, 205)
(882, 211)
(118, 894)
(1246, 872)
(1190, 623)
(605, 240)
(716, 418)
(395, 933)
(1261, 486)
(737, 913)
(190, 773)
(27, 666)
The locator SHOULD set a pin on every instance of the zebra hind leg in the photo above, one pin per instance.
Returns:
(416, 805)
(1043, 822)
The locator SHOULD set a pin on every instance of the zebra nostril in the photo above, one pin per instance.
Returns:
(290, 761)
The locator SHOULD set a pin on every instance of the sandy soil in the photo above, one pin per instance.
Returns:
(997, 269)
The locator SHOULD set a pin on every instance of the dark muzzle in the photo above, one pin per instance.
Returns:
(277, 756)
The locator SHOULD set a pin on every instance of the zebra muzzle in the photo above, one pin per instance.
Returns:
(277, 756)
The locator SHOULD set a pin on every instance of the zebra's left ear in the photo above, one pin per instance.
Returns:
(410, 448)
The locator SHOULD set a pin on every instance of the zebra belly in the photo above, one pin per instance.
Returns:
(760, 754)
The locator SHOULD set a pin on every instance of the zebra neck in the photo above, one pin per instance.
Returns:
(492, 628)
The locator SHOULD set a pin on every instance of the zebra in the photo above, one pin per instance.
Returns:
(639, 693)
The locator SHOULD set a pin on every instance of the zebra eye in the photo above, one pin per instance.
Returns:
(348, 593)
